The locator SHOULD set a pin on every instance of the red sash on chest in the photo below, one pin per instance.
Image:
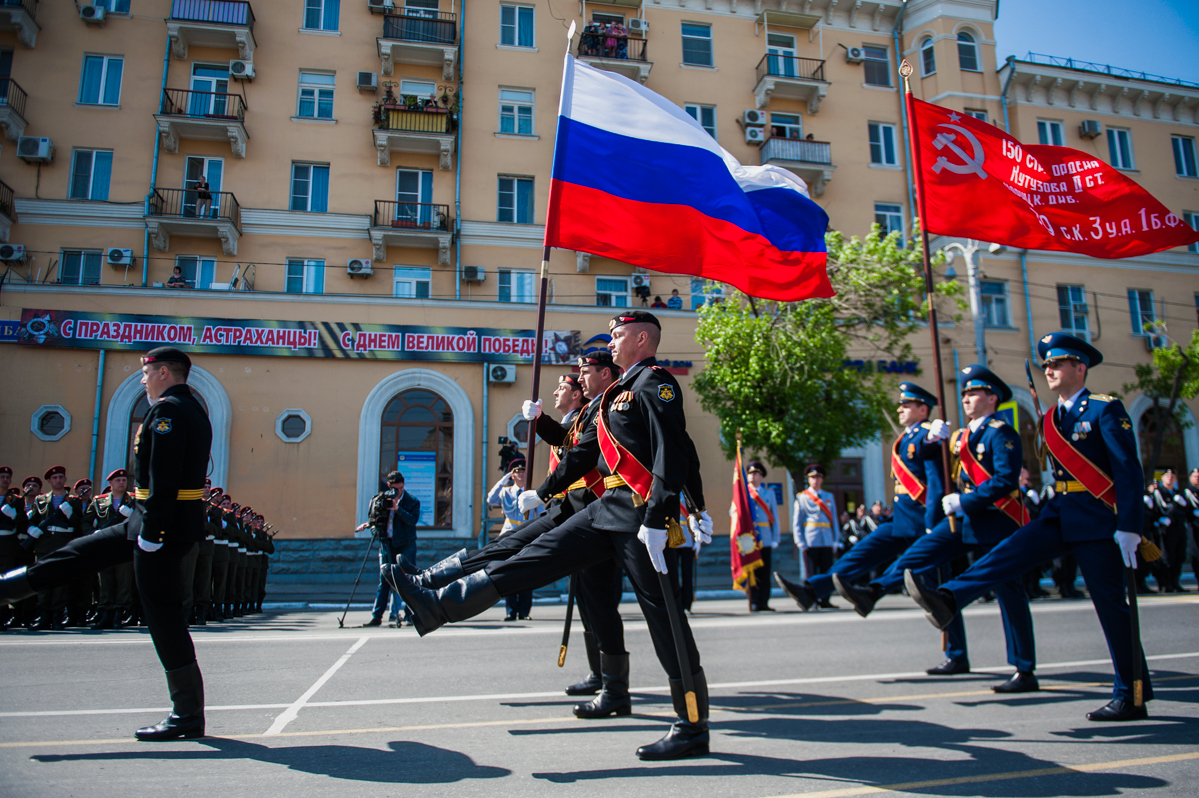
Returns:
(824, 507)
(1011, 506)
(619, 459)
(1097, 483)
(913, 484)
(758, 500)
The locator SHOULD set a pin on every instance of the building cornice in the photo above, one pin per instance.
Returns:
(1090, 92)
(503, 234)
(80, 213)
(267, 221)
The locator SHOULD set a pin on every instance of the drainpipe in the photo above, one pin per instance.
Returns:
(483, 465)
(1032, 337)
(166, 65)
(1007, 84)
(91, 464)
(458, 186)
(903, 113)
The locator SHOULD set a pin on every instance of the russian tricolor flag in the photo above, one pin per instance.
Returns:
(638, 180)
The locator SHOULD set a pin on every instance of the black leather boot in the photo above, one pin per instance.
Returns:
(457, 601)
(684, 738)
(104, 620)
(592, 684)
(614, 697)
(442, 573)
(201, 615)
(187, 714)
(14, 586)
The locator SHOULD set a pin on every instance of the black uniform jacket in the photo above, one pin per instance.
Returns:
(563, 439)
(101, 513)
(171, 451)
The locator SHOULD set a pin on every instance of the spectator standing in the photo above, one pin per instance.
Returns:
(177, 280)
(658, 303)
(393, 517)
(505, 494)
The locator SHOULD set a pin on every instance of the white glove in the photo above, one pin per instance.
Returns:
(745, 543)
(8, 510)
(528, 500)
(1049, 491)
(853, 539)
(1032, 496)
(1148, 502)
(951, 503)
(67, 509)
(927, 531)
(1128, 542)
(530, 409)
(697, 545)
(125, 510)
(1180, 501)
(146, 545)
(34, 532)
(1165, 522)
(655, 544)
(939, 430)
(701, 526)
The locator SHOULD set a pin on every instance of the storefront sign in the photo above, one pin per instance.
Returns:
(8, 331)
(883, 366)
(82, 329)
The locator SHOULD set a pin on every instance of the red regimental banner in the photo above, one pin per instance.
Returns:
(981, 183)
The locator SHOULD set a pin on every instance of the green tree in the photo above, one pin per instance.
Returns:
(776, 371)
(1171, 376)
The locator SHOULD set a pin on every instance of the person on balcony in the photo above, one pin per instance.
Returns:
(203, 197)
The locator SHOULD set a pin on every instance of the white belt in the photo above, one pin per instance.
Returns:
(6, 533)
(59, 529)
(229, 544)
(239, 548)
(211, 537)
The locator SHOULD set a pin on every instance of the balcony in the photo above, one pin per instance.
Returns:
(12, 109)
(623, 55)
(174, 211)
(811, 161)
(413, 124)
(228, 24)
(427, 38)
(8, 213)
(411, 224)
(202, 115)
(20, 16)
(792, 78)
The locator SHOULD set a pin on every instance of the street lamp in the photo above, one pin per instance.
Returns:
(970, 251)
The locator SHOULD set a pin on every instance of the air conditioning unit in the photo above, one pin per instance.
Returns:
(637, 25)
(855, 55)
(752, 116)
(641, 281)
(120, 257)
(473, 274)
(241, 70)
(12, 252)
(755, 135)
(32, 149)
(381, 5)
(1090, 129)
(359, 266)
(93, 14)
(368, 81)
(1156, 342)
(501, 373)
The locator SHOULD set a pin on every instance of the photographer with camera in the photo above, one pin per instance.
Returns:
(393, 516)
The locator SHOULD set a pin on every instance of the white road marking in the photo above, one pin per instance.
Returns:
(292, 711)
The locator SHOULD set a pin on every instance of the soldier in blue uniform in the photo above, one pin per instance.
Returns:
(989, 473)
(814, 527)
(765, 512)
(1096, 512)
(919, 485)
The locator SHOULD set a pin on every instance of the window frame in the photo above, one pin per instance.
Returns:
(786, 127)
(1113, 147)
(293, 412)
(322, 8)
(520, 15)
(309, 197)
(517, 181)
(413, 276)
(1184, 150)
(1048, 129)
(63, 254)
(1192, 218)
(35, 422)
(317, 88)
(968, 49)
(102, 88)
(889, 212)
(200, 266)
(311, 276)
(989, 301)
(1137, 312)
(517, 106)
(121, 6)
(882, 144)
(870, 66)
(928, 52)
(1065, 294)
(506, 291)
(697, 111)
(91, 176)
(705, 291)
(979, 114)
(693, 37)
(608, 297)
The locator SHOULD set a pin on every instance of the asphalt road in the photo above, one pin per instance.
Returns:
(819, 704)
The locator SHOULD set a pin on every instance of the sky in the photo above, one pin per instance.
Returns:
(1156, 36)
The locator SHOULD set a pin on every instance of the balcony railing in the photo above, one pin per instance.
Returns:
(182, 203)
(438, 27)
(30, 6)
(415, 117)
(222, 12)
(13, 96)
(798, 150)
(790, 66)
(203, 104)
(6, 202)
(604, 45)
(411, 215)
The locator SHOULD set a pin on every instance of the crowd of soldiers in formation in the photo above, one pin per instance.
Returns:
(224, 579)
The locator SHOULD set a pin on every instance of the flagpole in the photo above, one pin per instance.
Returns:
(905, 69)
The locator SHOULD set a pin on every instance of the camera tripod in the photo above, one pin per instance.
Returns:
(358, 580)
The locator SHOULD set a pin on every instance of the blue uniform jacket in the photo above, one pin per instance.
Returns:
(911, 519)
(1105, 437)
(996, 446)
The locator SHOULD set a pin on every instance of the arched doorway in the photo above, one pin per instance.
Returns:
(417, 438)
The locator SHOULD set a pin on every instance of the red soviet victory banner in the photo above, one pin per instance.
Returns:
(979, 182)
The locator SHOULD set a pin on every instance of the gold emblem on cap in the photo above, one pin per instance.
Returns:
(1047, 339)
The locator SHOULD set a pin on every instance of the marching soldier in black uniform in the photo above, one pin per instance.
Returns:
(648, 459)
(57, 519)
(1170, 516)
(171, 450)
(220, 553)
(116, 581)
(13, 523)
(201, 588)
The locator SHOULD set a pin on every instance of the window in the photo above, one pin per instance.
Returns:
(705, 115)
(977, 114)
(1140, 307)
(515, 201)
(210, 90)
(417, 437)
(877, 66)
(293, 425)
(101, 81)
(1072, 308)
(968, 52)
(1119, 146)
(1191, 218)
(1049, 132)
(697, 44)
(516, 26)
(113, 6)
(79, 267)
(305, 276)
(1184, 156)
(516, 112)
(995, 311)
(321, 14)
(928, 56)
(611, 292)
(514, 286)
(882, 144)
(197, 272)
(213, 171)
(781, 51)
(705, 292)
(309, 187)
(889, 217)
(422, 89)
(412, 283)
(90, 174)
(414, 198)
(786, 126)
(50, 422)
(316, 96)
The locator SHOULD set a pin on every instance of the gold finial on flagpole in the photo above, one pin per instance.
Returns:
(905, 71)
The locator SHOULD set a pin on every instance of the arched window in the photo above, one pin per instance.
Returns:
(135, 424)
(417, 438)
(928, 57)
(1173, 452)
(968, 52)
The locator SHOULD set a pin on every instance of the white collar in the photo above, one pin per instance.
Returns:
(913, 428)
(1069, 403)
(978, 422)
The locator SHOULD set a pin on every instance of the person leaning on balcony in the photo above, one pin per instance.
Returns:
(203, 197)
(177, 280)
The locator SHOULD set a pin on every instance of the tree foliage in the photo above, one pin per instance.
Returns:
(776, 370)
(1171, 376)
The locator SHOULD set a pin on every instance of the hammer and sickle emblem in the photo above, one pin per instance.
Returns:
(969, 164)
